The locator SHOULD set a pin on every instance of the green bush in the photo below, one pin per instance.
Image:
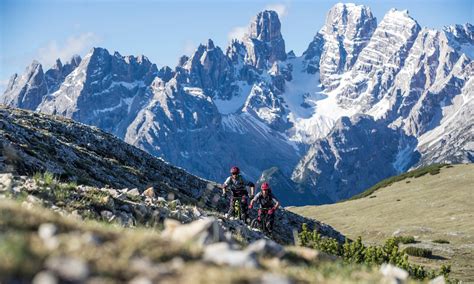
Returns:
(405, 240)
(420, 252)
(357, 252)
(441, 241)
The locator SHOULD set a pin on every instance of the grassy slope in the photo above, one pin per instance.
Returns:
(429, 207)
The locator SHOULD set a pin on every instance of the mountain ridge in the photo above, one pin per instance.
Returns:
(254, 105)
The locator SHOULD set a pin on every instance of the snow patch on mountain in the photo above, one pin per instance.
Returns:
(235, 103)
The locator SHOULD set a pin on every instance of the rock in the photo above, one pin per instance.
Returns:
(47, 230)
(393, 273)
(68, 268)
(33, 199)
(140, 280)
(310, 255)
(438, 280)
(175, 203)
(150, 192)
(6, 181)
(133, 192)
(271, 278)
(161, 199)
(222, 254)
(203, 232)
(264, 247)
(113, 192)
(196, 212)
(140, 211)
(108, 203)
(125, 208)
(107, 215)
(125, 219)
(146, 268)
(45, 277)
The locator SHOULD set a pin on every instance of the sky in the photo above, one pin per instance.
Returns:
(44, 30)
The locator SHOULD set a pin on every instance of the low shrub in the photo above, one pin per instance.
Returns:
(357, 252)
(420, 252)
(441, 241)
(405, 240)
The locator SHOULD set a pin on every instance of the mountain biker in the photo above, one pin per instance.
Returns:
(237, 185)
(268, 203)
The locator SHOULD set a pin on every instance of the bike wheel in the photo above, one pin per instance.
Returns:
(255, 223)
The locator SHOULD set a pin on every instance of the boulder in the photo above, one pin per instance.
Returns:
(394, 274)
(222, 254)
(203, 232)
(265, 247)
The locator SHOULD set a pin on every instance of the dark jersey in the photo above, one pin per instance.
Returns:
(237, 185)
(265, 202)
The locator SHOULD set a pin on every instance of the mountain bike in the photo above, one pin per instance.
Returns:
(264, 223)
(240, 211)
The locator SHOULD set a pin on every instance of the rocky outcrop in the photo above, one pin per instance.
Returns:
(33, 142)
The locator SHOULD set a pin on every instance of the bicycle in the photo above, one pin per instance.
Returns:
(264, 223)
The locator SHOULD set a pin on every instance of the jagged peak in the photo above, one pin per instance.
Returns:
(34, 67)
(98, 52)
(210, 44)
(265, 26)
(466, 30)
(400, 15)
(58, 64)
(75, 59)
(340, 16)
(350, 6)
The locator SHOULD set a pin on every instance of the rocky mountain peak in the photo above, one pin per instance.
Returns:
(350, 20)
(26, 91)
(264, 41)
(265, 27)
(347, 31)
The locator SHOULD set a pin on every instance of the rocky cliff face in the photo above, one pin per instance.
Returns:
(256, 106)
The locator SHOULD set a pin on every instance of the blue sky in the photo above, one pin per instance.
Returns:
(164, 30)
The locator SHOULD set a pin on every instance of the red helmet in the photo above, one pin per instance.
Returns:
(265, 186)
(234, 170)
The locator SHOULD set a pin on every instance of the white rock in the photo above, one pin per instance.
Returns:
(266, 248)
(140, 280)
(395, 274)
(438, 280)
(196, 212)
(6, 181)
(47, 230)
(69, 268)
(222, 254)
(134, 192)
(204, 231)
(45, 277)
(161, 199)
(271, 278)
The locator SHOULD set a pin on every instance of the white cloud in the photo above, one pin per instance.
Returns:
(237, 33)
(48, 54)
(3, 85)
(189, 47)
(280, 9)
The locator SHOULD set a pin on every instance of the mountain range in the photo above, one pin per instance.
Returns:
(368, 99)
